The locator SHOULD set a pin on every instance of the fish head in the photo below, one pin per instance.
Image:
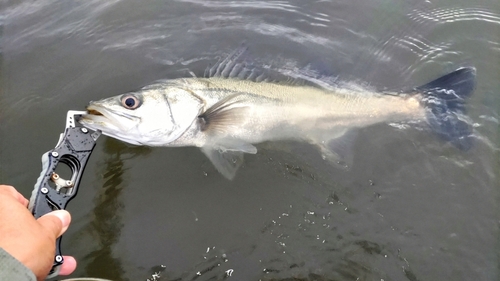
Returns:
(154, 116)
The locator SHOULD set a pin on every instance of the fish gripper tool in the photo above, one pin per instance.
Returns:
(51, 191)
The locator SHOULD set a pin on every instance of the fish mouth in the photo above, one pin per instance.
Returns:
(94, 112)
(104, 119)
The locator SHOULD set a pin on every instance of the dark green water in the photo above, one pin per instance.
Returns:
(411, 208)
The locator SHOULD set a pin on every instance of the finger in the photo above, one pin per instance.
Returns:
(10, 190)
(56, 222)
(68, 266)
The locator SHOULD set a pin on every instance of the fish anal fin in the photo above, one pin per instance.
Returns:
(226, 162)
(224, 114)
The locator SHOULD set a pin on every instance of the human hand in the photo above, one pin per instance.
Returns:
(31, 241)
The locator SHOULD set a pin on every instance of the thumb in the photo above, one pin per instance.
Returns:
(56, 222)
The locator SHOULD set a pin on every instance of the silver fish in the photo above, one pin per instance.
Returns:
(225, 114)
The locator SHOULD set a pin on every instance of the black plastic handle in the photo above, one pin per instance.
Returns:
(51, 192)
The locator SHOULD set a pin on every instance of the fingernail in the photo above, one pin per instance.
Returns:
(64, 216)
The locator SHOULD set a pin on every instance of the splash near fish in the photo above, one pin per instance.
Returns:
(232, 108)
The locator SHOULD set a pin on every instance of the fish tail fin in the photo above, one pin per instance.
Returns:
(444, 101)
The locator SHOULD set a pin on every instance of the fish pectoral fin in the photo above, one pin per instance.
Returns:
(223, 115)
(226, 162)
(337, 148)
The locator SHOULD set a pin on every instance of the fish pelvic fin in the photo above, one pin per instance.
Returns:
(228, 157)
(226, 162)
(336, 147)
(444, 100)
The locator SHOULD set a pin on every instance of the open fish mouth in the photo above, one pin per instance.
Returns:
(104, 119)
(94, 112)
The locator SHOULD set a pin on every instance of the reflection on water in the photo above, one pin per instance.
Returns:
(107, 224)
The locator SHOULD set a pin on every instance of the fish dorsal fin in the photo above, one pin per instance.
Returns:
(223, 115)
(223, 68)
(226, 162)
(236, 66)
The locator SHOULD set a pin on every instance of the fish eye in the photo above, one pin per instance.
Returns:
(130, 101)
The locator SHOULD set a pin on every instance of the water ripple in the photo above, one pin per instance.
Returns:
(285, 6)
(290, 33)
(52, 17)
(413, 44)
(448, 15)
